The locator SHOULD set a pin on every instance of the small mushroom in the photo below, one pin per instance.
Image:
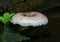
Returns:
(30, 19)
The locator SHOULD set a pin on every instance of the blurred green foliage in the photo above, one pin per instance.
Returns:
(6, 17)
(7, 35)
(14, 37)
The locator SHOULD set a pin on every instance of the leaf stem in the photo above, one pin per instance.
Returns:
(4, 33)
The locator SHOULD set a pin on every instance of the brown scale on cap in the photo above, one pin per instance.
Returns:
(28, 15)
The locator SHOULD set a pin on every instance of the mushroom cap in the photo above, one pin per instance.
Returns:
(30, 19)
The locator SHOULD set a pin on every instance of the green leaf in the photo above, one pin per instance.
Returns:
(6, 14)
(7, 20)
(10, 15)
(6, 17)
(1, 19)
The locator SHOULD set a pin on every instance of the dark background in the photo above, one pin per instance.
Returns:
(51, 8)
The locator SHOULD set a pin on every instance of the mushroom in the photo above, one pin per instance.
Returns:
(30, 19)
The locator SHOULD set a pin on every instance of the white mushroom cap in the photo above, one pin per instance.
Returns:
(30, 19)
